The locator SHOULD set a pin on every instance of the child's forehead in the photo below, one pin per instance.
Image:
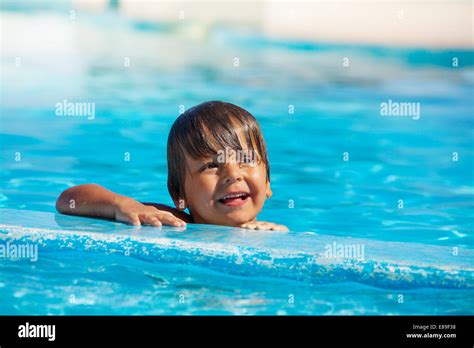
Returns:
(205, 140)
(227, 150)
(240, 136)
(218, 149)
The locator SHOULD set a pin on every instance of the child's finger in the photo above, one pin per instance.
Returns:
(171, 220)
(249, 225)
(150, 220)
(155, 222)
(261, 225)
(264, 226)
(134, 219)
(281, 228)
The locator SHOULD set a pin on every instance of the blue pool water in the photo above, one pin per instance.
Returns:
(85, 266)
(423, 251)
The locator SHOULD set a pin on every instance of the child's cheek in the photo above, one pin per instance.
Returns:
(206, 190)
(257, 185)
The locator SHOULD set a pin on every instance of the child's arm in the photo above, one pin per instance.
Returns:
(96, 201)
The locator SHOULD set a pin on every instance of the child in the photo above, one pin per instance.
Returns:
(217, 168)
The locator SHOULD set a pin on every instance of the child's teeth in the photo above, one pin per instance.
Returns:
(234, 196)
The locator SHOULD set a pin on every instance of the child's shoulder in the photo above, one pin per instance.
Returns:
(178, 213)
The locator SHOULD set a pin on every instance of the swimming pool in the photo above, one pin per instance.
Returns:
(342, 174)
(83, 266)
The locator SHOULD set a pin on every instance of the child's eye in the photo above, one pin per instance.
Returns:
(246, 159)
(210, 165)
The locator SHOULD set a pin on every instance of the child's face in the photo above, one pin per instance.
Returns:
(209, 182)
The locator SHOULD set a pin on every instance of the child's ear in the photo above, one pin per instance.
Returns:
(268, 191)
(180, 204)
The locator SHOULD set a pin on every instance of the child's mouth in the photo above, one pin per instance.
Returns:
(234, 199)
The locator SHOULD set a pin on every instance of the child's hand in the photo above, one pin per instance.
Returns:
(133, 212)
(262, 225)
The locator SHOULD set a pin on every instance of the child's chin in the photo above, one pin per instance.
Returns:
(237, 219)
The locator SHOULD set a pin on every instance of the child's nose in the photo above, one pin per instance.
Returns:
(232, 172)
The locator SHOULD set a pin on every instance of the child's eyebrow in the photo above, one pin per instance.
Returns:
(206, 158)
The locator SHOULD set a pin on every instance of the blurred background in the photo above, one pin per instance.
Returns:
(314, 73)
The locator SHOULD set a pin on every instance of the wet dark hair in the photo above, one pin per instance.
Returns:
(204, 130)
